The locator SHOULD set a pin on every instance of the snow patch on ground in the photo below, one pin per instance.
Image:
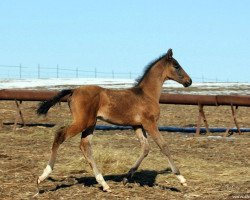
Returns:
(169, 86)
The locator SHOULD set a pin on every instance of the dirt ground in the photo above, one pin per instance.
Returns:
(214, 168)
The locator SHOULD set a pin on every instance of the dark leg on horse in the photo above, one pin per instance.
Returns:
(158, 138)
(85, 146)
(142, 136)
(61, 135)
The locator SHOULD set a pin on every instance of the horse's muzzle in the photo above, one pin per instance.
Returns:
(188, 83)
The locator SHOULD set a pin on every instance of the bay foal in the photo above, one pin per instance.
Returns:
(137, 106)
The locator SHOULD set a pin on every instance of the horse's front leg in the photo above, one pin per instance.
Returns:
(152, 129)
(142, 136)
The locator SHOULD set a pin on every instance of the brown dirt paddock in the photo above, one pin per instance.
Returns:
(214, 168)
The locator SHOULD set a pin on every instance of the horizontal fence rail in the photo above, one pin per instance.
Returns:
(206, 100)
(181, 99)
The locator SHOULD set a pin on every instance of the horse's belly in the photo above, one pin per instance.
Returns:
(119, 118)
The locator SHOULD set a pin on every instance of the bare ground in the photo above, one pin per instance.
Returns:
(214, 168)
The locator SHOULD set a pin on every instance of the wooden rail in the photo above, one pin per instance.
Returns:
(180, 99)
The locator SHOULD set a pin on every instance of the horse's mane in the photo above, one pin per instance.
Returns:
(146, 70)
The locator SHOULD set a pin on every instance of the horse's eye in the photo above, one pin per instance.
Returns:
(176, 66)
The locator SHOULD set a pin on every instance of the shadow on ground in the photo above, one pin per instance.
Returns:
(141, 178)
(47, 125)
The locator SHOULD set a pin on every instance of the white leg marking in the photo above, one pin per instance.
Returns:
(101, 181)
(182, 180)
(45, 174)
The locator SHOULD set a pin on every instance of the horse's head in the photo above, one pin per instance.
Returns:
(174, 71)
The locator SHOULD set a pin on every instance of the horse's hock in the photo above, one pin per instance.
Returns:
(18, 96)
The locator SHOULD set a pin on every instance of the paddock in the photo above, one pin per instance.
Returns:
(214, 167)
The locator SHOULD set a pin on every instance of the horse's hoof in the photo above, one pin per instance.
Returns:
(182, 180)
(184, 184)
(107, 189)
(125, 181)
(38, 181)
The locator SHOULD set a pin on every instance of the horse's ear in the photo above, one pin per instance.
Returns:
(169, 54)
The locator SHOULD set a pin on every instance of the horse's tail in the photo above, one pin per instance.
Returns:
(46, 105)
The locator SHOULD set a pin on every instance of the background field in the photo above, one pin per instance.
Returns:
(214, 168)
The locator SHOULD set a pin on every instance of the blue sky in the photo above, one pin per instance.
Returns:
(209, 38)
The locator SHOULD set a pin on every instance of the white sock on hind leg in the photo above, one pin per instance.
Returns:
(45, 174)
(100, 180)
(182, 180)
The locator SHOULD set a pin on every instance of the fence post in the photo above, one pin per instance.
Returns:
(95, 73)
(113, 74)
(130, 75)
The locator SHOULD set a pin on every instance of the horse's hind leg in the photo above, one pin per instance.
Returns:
(142, 136)
(61, 135)
(157, 137)
(85, 146)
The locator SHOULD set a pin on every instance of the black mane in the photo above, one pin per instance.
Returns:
(147, 69)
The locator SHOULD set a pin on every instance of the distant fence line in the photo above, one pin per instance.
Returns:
(24, 72)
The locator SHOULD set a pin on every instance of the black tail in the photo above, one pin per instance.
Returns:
(46, 105)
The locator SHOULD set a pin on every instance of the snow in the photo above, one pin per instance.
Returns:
(54, 83)
(169, 86)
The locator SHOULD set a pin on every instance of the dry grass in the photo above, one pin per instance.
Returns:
(214, 169)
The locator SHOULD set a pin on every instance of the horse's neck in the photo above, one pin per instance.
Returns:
(153, 81)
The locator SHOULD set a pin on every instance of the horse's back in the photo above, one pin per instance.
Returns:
(87, 92)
